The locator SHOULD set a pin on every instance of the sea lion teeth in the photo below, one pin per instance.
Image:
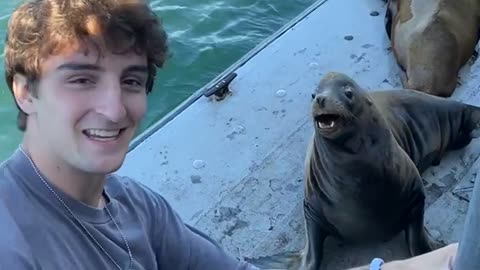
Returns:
(330, 124)
(327, 120)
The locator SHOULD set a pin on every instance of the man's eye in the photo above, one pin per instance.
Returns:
(132, 82)
(81, 81)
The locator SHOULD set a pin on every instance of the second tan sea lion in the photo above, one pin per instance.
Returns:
(432, 40)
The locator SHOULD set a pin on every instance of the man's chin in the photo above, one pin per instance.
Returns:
(105, 165)
(105, 170)
(103, 157)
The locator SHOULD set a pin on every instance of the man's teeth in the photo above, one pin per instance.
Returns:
(102, 134)
(330, 124)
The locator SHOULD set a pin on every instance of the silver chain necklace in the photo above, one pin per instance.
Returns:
(81, 223)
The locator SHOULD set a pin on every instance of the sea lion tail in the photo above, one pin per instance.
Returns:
(290, 260)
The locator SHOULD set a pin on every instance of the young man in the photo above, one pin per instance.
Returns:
(79, 72)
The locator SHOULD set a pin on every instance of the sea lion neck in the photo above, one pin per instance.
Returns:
(351, 143)
(358, 138)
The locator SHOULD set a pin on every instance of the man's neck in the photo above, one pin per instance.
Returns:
(83, 187)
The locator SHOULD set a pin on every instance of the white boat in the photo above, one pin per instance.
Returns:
(234, 168)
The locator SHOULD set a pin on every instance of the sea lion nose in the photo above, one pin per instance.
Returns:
(320, 100)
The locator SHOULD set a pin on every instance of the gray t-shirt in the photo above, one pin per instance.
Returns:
(37, 232)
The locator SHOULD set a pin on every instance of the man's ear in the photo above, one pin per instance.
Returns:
(23, 96)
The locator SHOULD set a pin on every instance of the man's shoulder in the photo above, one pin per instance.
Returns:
(15, 252)
(14, 249)
(9, 184)
(4, 170)
(11, 196)
(153, 208)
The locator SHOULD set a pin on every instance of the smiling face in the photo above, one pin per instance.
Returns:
(337, 103)
(86, 109)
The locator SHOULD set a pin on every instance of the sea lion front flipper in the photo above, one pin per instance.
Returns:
(315, 238)
(418, 239)
(315, 234)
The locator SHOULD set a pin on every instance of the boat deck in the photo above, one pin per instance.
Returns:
(234, 168)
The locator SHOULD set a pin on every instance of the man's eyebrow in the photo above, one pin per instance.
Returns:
(136, 68)
(79, 66)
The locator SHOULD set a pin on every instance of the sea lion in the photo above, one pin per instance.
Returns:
(432, 40)
(364, 162)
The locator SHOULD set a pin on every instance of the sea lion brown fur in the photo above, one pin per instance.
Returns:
(432, 40)
(363, 167)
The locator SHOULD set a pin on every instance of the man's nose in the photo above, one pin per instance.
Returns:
(112, 104)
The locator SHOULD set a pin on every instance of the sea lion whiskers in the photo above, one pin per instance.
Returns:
(351, 115)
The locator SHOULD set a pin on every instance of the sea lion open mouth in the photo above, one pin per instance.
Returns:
(328, 121)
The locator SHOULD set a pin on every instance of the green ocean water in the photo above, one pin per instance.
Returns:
(205, 38)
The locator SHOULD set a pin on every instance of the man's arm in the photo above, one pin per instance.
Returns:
(206, 250)
(14, 249)
(179, 246)
(11, 258)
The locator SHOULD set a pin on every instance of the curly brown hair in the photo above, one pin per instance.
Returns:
(39, 28)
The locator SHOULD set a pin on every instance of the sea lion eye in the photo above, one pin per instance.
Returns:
(348, 93)
(313, 96)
